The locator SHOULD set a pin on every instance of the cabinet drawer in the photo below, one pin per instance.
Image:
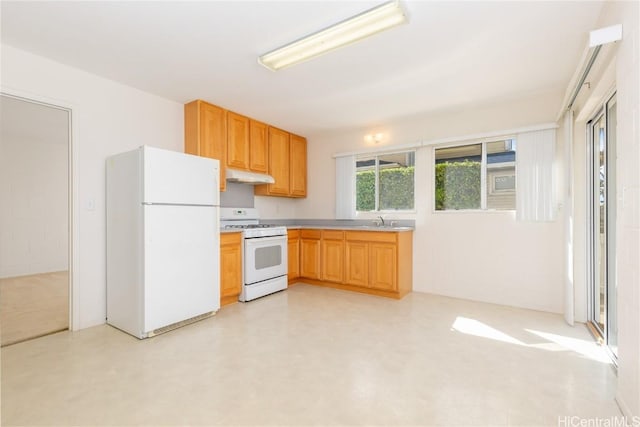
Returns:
(372, 236)
(293, 234)
(333, 234)
(230, 238)
(310, 234)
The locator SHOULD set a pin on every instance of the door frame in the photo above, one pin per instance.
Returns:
(73, 208)
(599, 111)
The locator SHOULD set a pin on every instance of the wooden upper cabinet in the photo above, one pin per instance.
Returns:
(258, 147)
(246, 144)
(298, 170)
(237, 141)
(287, 165)
(205, 133)
(278, 164)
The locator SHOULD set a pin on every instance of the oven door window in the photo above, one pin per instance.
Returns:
(270, 256)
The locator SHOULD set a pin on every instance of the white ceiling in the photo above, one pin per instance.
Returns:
(451, 55)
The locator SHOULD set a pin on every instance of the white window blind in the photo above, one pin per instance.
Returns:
(345, 187)
(535, 198)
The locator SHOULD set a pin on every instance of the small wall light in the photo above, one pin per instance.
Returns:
(375, 138)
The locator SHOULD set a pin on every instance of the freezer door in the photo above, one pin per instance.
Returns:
(177, 178)
(181, 263)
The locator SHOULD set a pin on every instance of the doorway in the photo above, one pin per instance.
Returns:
(603, 313)
(35, 144)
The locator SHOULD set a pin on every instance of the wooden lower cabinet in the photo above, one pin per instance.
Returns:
(310, 254)
(230, 267)
(383, 266)
(357, 262)
(332, 256)
(293, 254)
(374, 262)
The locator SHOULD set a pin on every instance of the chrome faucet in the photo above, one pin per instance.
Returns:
(381, 220)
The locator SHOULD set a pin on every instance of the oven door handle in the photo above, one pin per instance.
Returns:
(255, 241)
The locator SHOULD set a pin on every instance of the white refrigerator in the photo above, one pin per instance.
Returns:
(163, 240)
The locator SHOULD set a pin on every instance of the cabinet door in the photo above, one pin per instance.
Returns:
(357, 261)
(279, 161)
(258, 147)
(237, 141)
(298, 150)
(206, 134)
(382, 266)
(293, 255)
(310, 258)
(230, 267)
(332, 261)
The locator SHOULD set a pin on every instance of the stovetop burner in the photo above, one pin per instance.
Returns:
(247, 220)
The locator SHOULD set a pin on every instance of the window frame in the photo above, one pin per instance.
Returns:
(377, 211)
(484, 189)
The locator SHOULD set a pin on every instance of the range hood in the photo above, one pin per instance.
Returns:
(236, 175)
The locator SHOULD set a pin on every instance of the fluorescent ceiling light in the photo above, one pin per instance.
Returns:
(341, 34)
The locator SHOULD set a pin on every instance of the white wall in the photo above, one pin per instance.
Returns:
(34, 208)
(482, 256)
(109, 118)
(622, 72)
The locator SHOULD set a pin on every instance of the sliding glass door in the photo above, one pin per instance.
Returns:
(602, 213)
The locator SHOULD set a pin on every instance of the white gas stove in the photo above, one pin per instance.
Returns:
(264, 252)
(248, 220)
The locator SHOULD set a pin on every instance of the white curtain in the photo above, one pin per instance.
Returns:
(345, 187)
(535, 186)
(569, 291)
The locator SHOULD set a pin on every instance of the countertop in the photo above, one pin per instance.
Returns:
(230, 230)
(334, 227)
(351, 228)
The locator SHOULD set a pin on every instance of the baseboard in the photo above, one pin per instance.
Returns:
(626, 412)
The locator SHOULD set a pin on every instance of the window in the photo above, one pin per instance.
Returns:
(385, 182)
(476, 176)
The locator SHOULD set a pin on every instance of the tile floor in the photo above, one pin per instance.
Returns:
(317, 356)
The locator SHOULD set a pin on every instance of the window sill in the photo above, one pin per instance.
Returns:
(376, 214)
(475, 211)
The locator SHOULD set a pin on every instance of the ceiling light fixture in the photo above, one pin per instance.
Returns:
(341, 34)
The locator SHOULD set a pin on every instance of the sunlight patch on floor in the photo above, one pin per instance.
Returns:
(479, 329)
(588, 349)
(554, 342)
